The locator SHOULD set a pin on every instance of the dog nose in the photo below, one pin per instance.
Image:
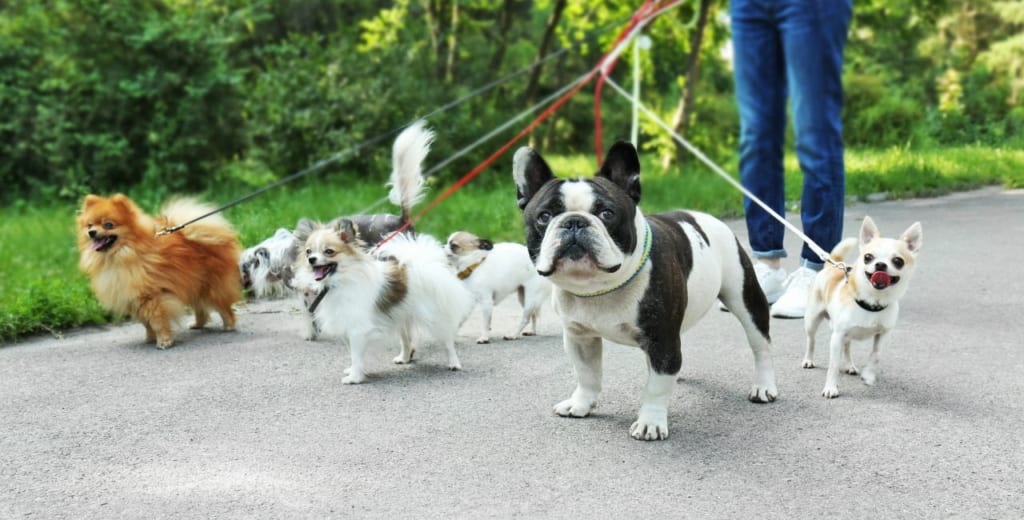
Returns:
(575, 223)
(880, 266)
(92, 233)
(312, 260)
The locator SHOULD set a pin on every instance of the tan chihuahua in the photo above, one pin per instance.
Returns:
(862, 302)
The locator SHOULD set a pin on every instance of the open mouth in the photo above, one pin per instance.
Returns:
(103, 243)
(880, 279)
(323, 271)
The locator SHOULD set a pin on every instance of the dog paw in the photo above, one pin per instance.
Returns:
(650, 426)
(868, 377)
(164, 344)
(852, 370)
(807, 363)
(573, 408)
(197, 325)
(353, 379)
(763, 394)
(483, 339)
(401, 360)
(454, 366)
(529, 333)
(830, 392)
(513, 338)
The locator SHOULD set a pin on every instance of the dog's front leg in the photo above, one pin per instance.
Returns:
(585, 355)
(652, 421)
(869, 373)
(835, 353)
(486, 311)
(357, 348)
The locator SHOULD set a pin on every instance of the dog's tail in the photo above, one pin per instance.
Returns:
(843, 250)
(410, 149)
(212, 230)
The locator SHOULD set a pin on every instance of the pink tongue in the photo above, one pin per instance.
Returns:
(98, 244)
(880, 280)
(320, 272)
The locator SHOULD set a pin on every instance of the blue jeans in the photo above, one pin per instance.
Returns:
(791, 49)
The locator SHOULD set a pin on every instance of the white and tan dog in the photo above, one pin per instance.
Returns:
(634, 279)
(863, 302)
(493, 271)
(366, 299)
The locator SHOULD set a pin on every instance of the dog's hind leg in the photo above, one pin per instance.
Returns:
(749, 305)
(201, 316)
(812, 321)
(405, 356)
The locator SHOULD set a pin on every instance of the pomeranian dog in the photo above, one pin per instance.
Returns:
(154, 278)
(266, 267)
(366, 299)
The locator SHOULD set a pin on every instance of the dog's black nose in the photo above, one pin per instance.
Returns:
(312, 260)
(880, 266)
(575, 223)
(92, 233)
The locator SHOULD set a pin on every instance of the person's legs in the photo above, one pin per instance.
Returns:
(813, 37)
(759, 74)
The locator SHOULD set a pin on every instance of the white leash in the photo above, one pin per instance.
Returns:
(721, 173)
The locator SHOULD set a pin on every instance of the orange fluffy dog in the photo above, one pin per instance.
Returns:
(153, 278)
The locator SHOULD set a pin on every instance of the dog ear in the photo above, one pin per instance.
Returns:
(914, 237)
(90, 200)
(346, 230)
(868, 231)
(622, 167)
(262, 253)
(485, 244)
(303, 229)
(122, 201)
(530, 173)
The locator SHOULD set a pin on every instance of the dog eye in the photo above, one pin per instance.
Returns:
(606, 215)
(869, 258)
(329, 252)
(544, 217)
(309, 252)
(898, 262)
(108, 225)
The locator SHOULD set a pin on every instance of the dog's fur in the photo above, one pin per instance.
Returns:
(494, 271)
(410, 288)
(588, 237)
(153, 278)
(863, 303)
(266, 267)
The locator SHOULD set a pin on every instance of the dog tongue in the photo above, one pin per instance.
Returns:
(319, 272)
(881, 280)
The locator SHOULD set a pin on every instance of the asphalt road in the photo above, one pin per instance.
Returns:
(256, 423)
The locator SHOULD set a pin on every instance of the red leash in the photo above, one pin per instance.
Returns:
(644, 12)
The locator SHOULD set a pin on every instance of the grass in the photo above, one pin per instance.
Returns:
(42, 290)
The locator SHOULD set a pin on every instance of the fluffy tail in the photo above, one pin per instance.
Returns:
(212, 230)
(410, 149)
(420, 248)
(843, 249)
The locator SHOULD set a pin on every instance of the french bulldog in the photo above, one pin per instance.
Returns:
(862, 303)
(633, 279)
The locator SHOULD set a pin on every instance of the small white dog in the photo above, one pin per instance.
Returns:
(862, 302)
(267, 267)
(494, 271)
(366, 299)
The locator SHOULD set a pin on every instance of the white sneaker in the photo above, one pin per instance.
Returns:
(772, 282)
(793, 302)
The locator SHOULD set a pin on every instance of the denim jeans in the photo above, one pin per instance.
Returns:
(791, 49)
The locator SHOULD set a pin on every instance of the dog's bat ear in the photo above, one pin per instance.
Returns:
(346, 229)
(486, 245)
(913, 237)
(868, 231)
(622, 167)
(530, 173)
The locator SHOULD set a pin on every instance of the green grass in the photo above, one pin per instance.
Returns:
(41, 289)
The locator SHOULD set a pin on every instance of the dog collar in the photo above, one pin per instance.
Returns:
(465, 273)
(871, 307)
(643, 262)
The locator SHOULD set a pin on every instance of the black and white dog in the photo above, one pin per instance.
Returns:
(633, 279)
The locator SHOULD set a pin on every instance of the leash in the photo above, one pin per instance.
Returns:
(824, 256)
(603, 67)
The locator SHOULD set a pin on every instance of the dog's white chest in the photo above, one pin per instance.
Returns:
(612, 317)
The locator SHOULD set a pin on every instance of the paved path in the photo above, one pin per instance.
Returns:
(256, 423)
